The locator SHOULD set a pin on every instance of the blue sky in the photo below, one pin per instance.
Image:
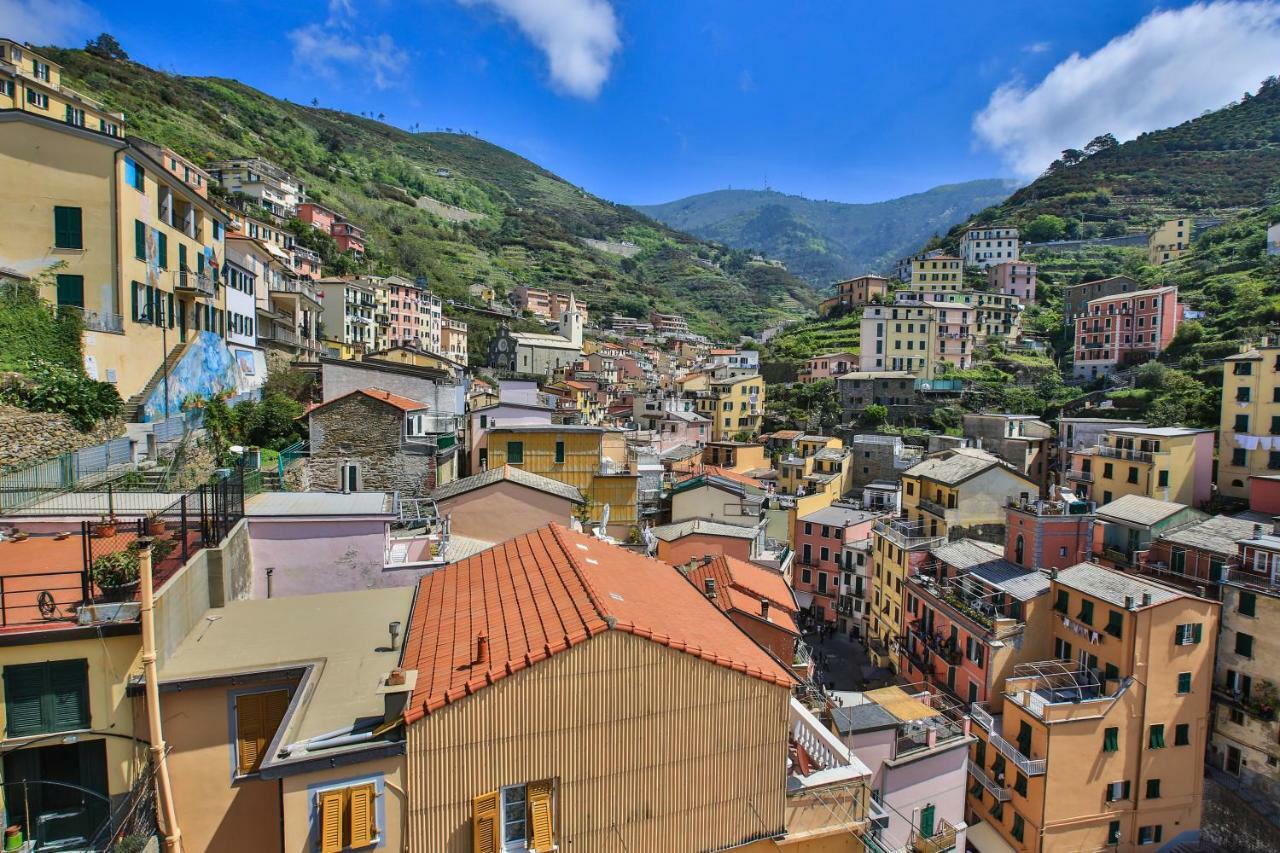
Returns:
(642, 101)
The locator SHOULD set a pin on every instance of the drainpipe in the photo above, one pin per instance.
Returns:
(173, 835)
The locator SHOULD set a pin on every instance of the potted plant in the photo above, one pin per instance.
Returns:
(105, 527)
(116, 574)
(161, 549)
(19, 536)
(155, 525)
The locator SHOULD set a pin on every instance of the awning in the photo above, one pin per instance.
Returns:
(985, 839)
(804, 598)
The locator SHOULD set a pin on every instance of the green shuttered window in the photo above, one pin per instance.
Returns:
(46, 697)
(68, 232)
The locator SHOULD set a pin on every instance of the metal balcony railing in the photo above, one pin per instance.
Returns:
(187, 281)
(985, 781)
(1082, 476)
(1128, 455)
(1029, 766)
(933, 507)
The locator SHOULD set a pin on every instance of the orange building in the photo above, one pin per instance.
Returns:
(756, 599)
(1101, 745)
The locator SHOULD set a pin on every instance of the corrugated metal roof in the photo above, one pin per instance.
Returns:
(967, 553)
(1218, 534)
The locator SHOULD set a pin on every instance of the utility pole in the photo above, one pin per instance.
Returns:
(164, 792)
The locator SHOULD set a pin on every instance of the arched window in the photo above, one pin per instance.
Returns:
(1017, 550)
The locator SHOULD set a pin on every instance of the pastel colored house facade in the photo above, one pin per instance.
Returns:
(1124, 330)
(820, 539)
(985, 245)
(1015, 278)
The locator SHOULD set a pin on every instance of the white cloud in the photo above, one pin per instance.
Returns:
(1037, 47)
(42, 22)
(579, 38)
(1171, 67)
(321, 48)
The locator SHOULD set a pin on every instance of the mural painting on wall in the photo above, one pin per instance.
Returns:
(207, 368)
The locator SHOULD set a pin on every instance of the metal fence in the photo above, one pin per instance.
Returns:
(67, 471)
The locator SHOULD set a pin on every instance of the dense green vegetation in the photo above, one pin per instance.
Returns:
(32, 330)
(1222, 160)
(531, 222)
(824, 241)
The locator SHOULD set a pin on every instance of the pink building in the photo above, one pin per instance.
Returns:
(828, 366)
(349, 237)
(404, 315)
(1015, 278)
(820, 540)
(1050, 534)
(317, 216)
(1118, 331)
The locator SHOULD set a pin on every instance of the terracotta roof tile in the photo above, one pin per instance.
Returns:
(546, 591)
(402, 403)
(741, 585)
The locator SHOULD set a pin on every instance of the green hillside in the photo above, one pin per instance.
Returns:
(825, 241)
(531, 223)
(1218, 162)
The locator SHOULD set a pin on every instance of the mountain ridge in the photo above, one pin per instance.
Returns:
(531, 223)
(822, 240)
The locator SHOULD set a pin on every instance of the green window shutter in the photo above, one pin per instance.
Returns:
(133, 300)
(1063, 601)
(1196, 632)
(1184, 682)
(1086, 611)
(1111, 739)
(1156, 738)
(182, 256)
(139, 240)
(1153, 789)
(67, 228)
(559, 452)
(1248, 604)
(170, 310)
(1020, 784)
(68, 694)
(515, 452)
(200, 263)
(23, 697)
(162, 249)
(1182, 734)
(71, 290)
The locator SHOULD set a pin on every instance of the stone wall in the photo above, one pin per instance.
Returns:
(367, 433)
(28, 437)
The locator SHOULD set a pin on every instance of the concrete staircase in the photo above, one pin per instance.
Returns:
(134, 405)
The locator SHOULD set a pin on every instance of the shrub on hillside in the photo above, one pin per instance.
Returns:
(49, 387)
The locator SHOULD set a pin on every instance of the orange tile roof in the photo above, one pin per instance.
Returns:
(402, 403)
(539, 594)
(730, 474)
(741, 585)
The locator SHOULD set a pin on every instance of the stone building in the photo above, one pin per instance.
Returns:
(373, 440)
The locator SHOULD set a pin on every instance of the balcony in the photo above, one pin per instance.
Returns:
(1035, 506)
(934, 508)
(278, 335)
(186, 281)
(907, 535)
(984, 780)
(1057, 691)
(1028, 766)
(97, 321)
(942, 839)
(1082, 476)
(1129, 455)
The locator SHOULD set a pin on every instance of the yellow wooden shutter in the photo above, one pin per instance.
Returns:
(484, 823)
(276, 703)
(541, 834)
(329, 808)
(364, 819)
(249, 725)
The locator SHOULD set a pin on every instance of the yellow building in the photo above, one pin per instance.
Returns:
(113, 234)
(733, 406)
(817, 464)
(577, 397)
(919, 333)
(1250, 420)
(590, 458)
(1100, 748)
(956, 492)
(937, 275)
(898, 548)
(1165, 463)
(1170, 240)
(30, 82)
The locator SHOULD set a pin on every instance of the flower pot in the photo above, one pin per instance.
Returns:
(155, 526)
(104, 529)
(119, 592)
(13, 839)
(20, 536)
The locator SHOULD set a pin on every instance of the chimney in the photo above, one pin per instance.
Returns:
(394, 630)
(764, 609)
(1128, 602)
(1257, 531)
(709, 587)
(707, 558)
(1146, 599)
(1275, 525)
(396, 688)
(482, 650)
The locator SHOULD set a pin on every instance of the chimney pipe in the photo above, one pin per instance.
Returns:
(394, 630)
(482, 650)
(1200, 590)
(1128, 602)
(764, 609)
(707, 558)
(709, 587)
(1146, 599)
(270, 584)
